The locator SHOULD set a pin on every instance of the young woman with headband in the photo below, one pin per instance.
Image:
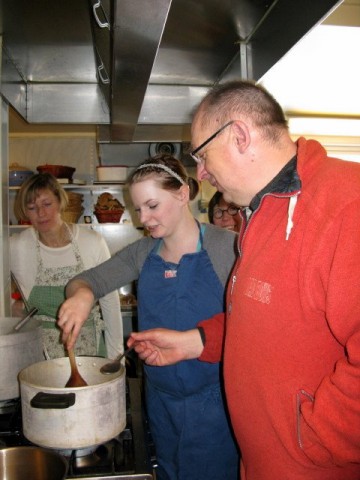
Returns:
(182, 269)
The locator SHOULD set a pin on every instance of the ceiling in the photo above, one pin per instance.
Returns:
(137, 71)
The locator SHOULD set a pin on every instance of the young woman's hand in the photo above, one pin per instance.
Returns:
(74, 312)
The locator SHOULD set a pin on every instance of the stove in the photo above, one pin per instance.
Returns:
(131, 455)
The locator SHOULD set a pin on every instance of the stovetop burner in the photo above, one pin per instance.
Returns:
(8, 406)
(130, 455)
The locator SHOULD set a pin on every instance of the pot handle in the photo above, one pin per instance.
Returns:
(53, 400)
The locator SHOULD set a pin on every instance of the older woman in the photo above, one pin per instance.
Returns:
(50, 252)
(224, 214)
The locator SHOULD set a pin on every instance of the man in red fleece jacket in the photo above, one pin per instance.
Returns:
(290, 339)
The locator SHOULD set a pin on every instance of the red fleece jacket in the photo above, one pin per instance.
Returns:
(292, 331)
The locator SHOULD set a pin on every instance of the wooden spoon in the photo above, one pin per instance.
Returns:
(75, 380)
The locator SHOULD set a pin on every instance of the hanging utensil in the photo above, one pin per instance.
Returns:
(23, 298)
(28, 310)
(114, 365)
(75, 380)
(25, 319)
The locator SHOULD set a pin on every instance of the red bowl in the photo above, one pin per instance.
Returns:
(108, 216)
(59, 171)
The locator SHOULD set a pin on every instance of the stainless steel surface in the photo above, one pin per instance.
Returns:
(135, 70)
(72, 418)
(132, 476)
(115, 365)
(31, 463)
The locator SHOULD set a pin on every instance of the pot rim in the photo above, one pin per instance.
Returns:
(108, 379)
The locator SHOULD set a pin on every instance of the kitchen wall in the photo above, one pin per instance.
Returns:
(32, 145)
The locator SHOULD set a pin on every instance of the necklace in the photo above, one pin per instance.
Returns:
(64, 238)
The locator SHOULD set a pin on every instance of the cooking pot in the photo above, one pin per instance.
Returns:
(72, 418)
(17, 351)
(31, 463)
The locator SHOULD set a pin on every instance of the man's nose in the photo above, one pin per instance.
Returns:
(201, 172)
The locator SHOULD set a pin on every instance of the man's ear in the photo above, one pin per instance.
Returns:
(242, 135)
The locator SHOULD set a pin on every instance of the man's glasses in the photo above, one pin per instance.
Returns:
(231, 210)
(198, 158)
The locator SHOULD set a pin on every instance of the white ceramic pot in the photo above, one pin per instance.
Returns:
(17, 351)
(72, 418)
(111, 173)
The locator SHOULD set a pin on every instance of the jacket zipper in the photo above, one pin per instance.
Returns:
(245, 229)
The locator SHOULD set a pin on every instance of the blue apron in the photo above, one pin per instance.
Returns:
(185, 403)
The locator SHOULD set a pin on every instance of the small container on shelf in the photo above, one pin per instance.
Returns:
(74, 208)
(71, 216)
(111, 173)
(59, 171)
(108, 209)
(108, 216)
(18, 174)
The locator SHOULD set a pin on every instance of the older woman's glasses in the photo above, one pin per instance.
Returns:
(198, 158)
(231, 210)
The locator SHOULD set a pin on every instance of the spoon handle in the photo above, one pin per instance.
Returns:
(128, 350)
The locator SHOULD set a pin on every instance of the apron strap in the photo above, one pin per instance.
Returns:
(199, 245)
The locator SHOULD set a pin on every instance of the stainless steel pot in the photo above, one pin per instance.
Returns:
(72, 418)
(17, 351)
(31, 463)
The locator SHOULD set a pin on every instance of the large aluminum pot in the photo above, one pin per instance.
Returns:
(31, 463)
(17, 351)
(72, 418)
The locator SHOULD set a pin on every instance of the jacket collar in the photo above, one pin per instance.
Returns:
(286, 181)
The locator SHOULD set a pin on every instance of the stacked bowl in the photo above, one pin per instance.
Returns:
(74, 209)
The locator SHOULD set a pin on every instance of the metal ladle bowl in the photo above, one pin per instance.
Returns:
(115, 365)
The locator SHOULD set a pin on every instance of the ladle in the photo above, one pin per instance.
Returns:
(75, 380)
(114, 365)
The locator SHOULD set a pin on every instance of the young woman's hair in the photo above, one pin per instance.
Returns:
(32, 188)
(167, 171)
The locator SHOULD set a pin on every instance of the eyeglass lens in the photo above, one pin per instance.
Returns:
(219, 212)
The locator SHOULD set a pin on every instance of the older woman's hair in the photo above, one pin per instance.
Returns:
(167, 171)
(32, 188)
(215, 199)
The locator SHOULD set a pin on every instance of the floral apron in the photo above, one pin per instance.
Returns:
(48, 293)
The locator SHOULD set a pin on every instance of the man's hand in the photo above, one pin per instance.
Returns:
(160, 346)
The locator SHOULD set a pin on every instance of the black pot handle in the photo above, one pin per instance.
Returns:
(53, 400)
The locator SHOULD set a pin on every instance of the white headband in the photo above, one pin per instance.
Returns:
(163, 167)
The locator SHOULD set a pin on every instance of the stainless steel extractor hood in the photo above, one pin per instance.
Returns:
(137, 68)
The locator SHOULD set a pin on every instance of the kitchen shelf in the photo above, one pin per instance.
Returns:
(88, 225)
(86, 186)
